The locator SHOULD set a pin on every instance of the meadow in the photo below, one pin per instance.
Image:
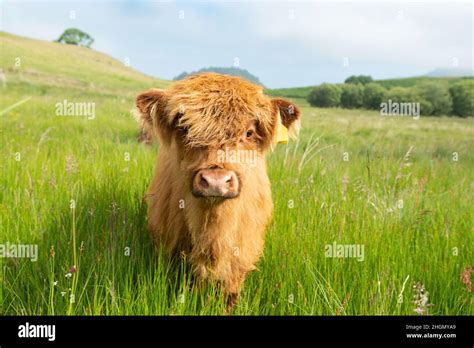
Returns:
(401, 188)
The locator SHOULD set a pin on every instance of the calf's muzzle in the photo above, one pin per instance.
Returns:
(216, 183)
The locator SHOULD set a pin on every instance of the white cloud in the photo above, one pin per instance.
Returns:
(417, 34)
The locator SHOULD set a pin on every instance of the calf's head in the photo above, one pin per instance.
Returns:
(217, 129)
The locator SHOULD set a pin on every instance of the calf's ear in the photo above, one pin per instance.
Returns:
(289, 117)
(151, 113)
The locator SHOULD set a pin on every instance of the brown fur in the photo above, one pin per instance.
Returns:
(222, 238)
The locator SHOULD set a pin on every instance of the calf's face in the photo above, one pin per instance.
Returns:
(220, 171)
(218, 129)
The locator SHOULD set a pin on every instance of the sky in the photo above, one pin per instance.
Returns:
(283, 43)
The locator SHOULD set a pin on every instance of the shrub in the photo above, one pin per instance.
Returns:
(352, 96)
(437, 94)
(462, 94)
(409, 95)
(325, 95)
(373, 96)
(400, 95)
(426, 108)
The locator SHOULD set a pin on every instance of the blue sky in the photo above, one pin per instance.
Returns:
(284, 43)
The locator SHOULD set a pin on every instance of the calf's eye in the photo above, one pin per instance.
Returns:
(249, 134)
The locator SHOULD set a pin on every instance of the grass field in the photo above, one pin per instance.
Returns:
(401, 188)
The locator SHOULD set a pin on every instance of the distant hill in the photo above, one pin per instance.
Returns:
(233, 71)
(450, 72)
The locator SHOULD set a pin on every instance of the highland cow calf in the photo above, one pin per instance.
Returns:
(210, 197)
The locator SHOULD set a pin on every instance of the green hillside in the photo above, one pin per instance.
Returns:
(413, 81)
(51, 65)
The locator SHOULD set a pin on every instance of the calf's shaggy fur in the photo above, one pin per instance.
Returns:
(194, 119)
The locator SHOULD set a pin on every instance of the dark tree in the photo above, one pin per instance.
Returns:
(362, 79)
(462, 94)
(73, 36)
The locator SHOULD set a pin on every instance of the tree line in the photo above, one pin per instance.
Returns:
(435, 98)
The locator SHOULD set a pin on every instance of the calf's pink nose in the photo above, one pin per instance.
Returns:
(216, 183)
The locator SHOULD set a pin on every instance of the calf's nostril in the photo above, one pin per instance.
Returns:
(203, 182)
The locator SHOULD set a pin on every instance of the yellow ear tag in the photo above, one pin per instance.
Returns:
(282, 133)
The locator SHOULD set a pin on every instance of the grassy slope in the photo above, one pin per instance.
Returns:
(319, 198)
(50, 64)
